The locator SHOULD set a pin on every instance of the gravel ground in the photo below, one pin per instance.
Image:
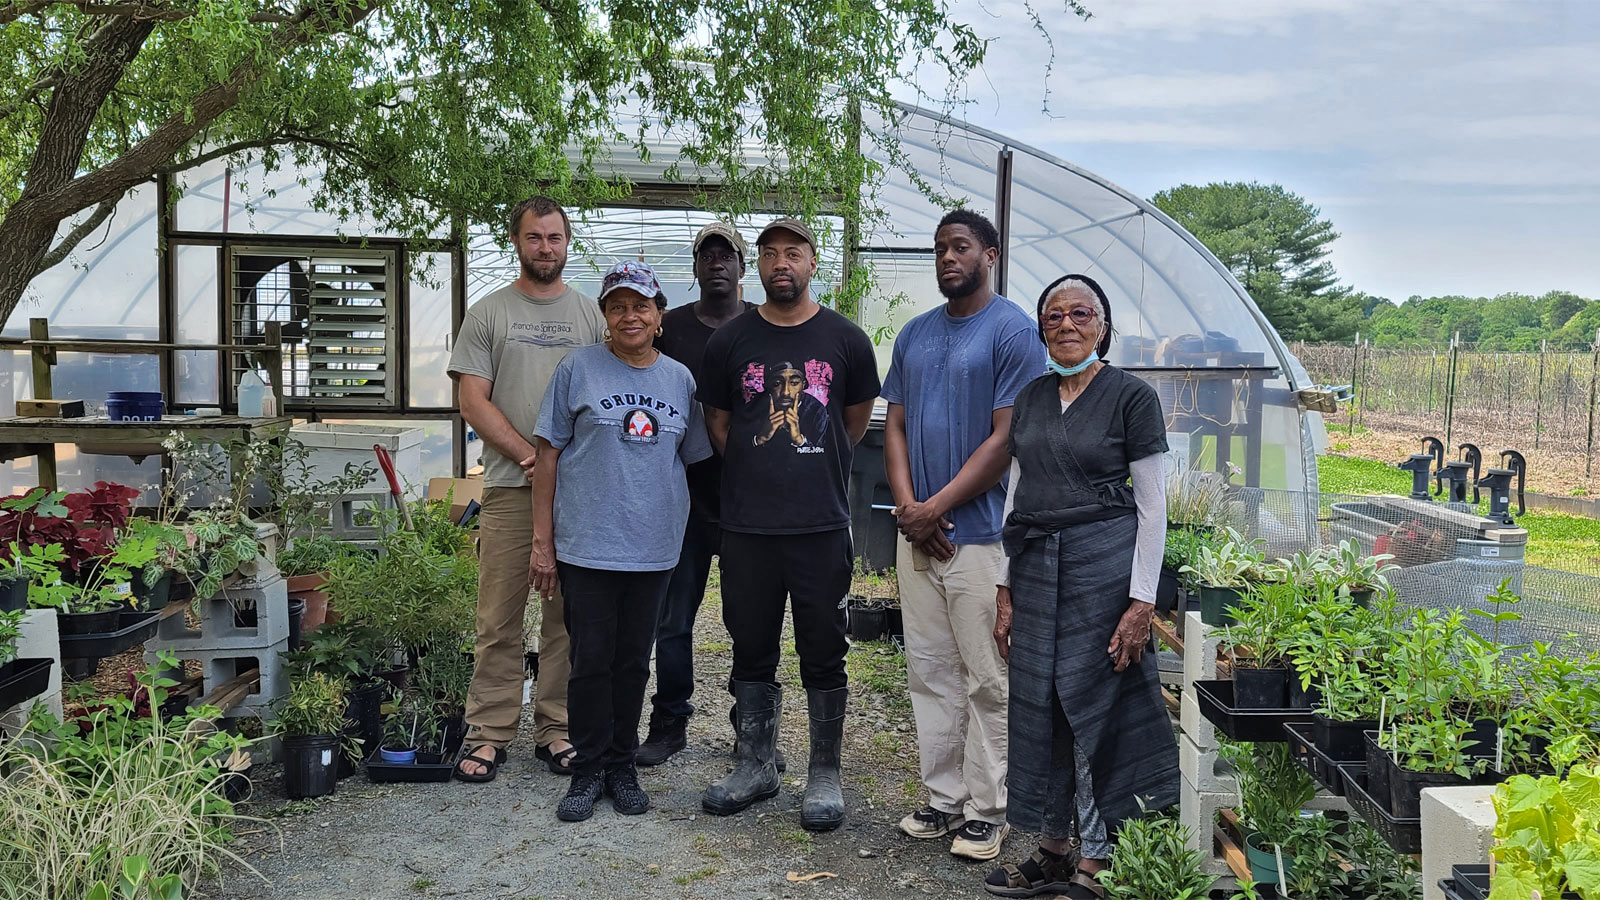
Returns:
(503, 841)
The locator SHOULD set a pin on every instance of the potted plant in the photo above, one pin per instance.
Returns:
(352, 652)
(305, 564)
(400, 734)
(1357, 575)
(1263, 617)
(1224, 572)
(93, 602)
(421, 589)
(1426, 737)
(1272, 790)
(1545, 835)
(311, 720)
(1196, 501)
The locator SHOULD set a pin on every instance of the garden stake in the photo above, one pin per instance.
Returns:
(1499, 748)
(1283, 883)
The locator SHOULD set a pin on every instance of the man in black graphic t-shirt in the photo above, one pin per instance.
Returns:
(788, 389)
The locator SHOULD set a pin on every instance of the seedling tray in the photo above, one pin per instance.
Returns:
(419, 772)
(1262, 726)
(1319, 765)
(23, 679)
(1404, 835)
(133, 628)
(1472, 883)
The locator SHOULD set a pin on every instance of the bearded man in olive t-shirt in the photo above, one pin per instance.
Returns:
(504, 357)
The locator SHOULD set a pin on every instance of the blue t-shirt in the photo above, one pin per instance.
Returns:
(625, 436)
(951, 375)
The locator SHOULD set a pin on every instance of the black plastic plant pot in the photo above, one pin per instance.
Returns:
(1260, 688)
(1167, 591)
(297, 613)
(364, 706)
(153, 595)
(894, 622)
(396, 677)
(1486, 733)
(1216, 605)
(1362, 599)
(235, 786)
(1405, 789)
(103, 622)
(530, 664)
(867, 624)
(310, 766)
(1299, 697)
(1340, 740)
(13, 594)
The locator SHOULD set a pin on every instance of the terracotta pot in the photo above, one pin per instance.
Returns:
(309, 589)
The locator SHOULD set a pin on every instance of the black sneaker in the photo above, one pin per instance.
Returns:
(578, 804)
(627, 797)
(667, 736)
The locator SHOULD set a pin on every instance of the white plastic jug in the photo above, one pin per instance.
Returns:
(255, 398)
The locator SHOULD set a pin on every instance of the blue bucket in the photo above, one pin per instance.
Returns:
(134, 406)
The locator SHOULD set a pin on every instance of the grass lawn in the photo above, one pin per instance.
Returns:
(1569, 543)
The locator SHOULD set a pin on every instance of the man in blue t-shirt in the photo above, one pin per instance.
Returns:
(955, 374)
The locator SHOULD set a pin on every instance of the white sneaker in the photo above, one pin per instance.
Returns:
(980, 840)
(928, 822)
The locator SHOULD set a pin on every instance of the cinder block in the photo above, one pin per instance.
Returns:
(1196, 726)
(1197, 811)
(218, 628)
(1199, 649)
(40, 639)
(222, 665)
(1203, 770)
(1457, 829)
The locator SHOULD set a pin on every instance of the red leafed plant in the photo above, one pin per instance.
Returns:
(85, 523)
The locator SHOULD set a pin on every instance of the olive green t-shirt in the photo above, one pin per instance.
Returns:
(516, 341)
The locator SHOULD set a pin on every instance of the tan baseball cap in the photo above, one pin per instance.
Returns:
(789, 223)
(726, 232)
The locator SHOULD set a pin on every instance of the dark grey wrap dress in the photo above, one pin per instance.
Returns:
(1088, 744)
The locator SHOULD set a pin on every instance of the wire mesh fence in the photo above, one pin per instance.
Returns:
(1446, 556)
(1544, 400)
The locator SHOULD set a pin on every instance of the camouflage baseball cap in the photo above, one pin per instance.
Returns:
(635, 276)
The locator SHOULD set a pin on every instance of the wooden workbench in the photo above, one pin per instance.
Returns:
(29, 435)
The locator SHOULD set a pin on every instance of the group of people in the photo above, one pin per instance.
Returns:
(628, 445)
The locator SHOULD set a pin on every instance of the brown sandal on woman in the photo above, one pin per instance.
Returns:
(1083, 886)
(1040, 873)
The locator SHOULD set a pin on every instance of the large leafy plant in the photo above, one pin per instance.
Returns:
(1355, 571)
(84, 524)
(1272, 787)
(314, 706)
(105, 585)
(346, 649)
(1152, 858)
(1548, 833)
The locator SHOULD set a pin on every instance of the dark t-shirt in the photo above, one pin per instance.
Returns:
(683, 337)
(787, 387)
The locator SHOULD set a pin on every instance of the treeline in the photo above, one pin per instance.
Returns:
(1276, 244)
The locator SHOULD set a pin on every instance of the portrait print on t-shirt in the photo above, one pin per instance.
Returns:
(792, 404)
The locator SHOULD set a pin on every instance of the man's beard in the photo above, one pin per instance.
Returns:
(542, 271)
(969, 282)
(787, 296)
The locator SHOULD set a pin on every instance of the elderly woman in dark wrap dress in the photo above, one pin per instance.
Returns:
(1086, 524)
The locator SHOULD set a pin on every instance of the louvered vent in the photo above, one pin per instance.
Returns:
(338, 313)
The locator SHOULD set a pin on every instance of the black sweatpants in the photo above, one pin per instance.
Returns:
(611, 623)
(813, 572)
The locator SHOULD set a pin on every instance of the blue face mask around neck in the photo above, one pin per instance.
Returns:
(1059, 369)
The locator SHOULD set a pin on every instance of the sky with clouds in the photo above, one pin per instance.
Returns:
(1454, 144)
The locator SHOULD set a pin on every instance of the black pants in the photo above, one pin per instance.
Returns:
(813, 571)
(611, 621)
(675, 632)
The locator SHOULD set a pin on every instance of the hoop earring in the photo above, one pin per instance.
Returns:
(660, 331)
(605, 334)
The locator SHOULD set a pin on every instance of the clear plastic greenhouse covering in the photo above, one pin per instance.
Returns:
(1226, 380)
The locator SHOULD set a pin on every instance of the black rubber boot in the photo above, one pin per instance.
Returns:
(754, 776)
(666, 738)
(777, 752)
(822, 808)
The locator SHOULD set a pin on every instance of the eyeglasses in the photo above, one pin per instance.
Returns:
(1080, 315)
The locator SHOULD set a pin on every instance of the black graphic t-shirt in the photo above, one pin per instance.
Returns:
(683, 337)
(787, 387)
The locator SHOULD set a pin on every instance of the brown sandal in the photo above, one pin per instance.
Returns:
(1038, 874)
(1083, 886)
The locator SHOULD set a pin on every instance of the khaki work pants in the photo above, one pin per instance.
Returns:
(958, 682)
(494, 704)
